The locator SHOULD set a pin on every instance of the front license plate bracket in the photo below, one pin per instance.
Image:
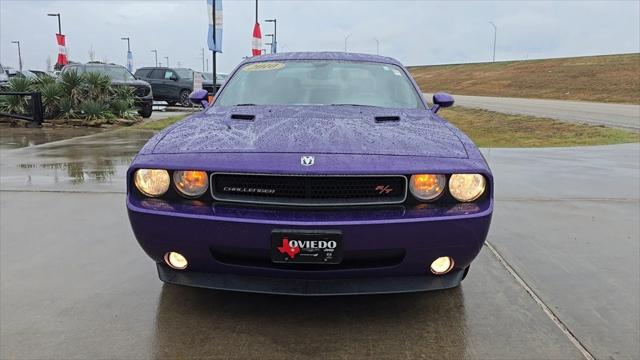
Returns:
(306, 246)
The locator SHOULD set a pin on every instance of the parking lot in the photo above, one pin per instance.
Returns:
(557, 280)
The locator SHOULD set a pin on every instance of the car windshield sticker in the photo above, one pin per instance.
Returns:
(396, 72)
(263, 66)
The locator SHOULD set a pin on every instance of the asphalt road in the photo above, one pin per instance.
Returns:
(611, 115)
(560, 279)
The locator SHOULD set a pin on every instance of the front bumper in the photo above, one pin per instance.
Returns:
(310, 287)
(144, 102)
(201, 232)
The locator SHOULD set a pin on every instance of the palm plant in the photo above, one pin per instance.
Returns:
(16, 104)
(66, 107)
(73, 86)
(41, 81)
(51, 94)
(95, 110)
(98, 86)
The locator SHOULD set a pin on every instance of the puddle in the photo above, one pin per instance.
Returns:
(90, 163)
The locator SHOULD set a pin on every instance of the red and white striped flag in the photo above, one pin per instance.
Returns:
(62, 50)
(256, 42)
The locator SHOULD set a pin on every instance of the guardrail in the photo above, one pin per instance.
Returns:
(35, 105)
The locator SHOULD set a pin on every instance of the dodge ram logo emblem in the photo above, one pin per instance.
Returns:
(307, 160)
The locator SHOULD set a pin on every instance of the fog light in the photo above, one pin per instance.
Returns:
(175, 260)
(442, 265)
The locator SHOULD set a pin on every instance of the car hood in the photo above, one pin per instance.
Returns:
(312, 130)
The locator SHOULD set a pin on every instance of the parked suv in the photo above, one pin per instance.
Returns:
(120, 76)
(172, 85)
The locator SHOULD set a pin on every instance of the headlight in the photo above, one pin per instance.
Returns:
(152, 182)
(191, 183)
(467, 187)
(427, 187)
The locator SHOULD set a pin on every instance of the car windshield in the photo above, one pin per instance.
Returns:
(113, 72)
(184, 73)
(320, 82)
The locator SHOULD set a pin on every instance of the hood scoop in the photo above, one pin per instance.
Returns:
(246, 117)
(380, 119)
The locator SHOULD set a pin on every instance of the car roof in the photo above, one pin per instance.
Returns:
(345, 56)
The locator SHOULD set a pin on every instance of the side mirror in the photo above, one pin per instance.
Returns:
(174, 77)
(441, 100)
(199, 97)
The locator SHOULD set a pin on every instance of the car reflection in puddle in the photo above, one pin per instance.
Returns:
(97, 163)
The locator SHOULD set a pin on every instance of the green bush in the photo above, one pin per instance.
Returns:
(95, 110)
(15, 104)
(89, 96)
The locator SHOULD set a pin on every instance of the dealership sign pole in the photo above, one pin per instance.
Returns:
(214, 38)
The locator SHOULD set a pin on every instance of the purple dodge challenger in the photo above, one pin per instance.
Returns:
(312, 174)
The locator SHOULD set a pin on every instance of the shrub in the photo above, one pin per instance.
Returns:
(90, 96)
(16, 104)
(73, 86)
(98, 86)
(51, 94)
(95, 110)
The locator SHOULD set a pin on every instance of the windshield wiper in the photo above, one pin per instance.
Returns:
(248, 104)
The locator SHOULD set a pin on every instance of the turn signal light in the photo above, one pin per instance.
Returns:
(427, 187)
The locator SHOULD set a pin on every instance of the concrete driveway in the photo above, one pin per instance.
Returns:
(558, 280)
(612, 115)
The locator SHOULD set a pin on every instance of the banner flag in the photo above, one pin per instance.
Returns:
(256, 41)
(130, 61)
(62, 50)
(214, 37)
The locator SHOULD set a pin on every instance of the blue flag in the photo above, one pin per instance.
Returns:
(214, 38)
(129, 61)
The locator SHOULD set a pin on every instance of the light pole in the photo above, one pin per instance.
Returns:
(377, 46)
(274, 47)
(272, 41)
(62, 51)
(495, 36)
(128, 43)
(345, 41)
(167, 58)
(19, 55)
(59, 26)
(156, 53)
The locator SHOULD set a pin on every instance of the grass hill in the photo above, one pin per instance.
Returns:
(605, 78)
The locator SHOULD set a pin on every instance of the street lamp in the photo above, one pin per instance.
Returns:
(167, 58)
(59, 26)
(345, 42)
(128, 43)
(495, 35)
(19, 55)
(272, 41)
(377, 46)
(156, 53)
(274, 47)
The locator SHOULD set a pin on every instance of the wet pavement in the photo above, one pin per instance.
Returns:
(75, 284)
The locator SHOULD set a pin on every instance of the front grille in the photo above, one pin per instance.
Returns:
(326, 190)
(140, 90)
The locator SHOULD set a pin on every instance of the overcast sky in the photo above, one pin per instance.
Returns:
(415, 32)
